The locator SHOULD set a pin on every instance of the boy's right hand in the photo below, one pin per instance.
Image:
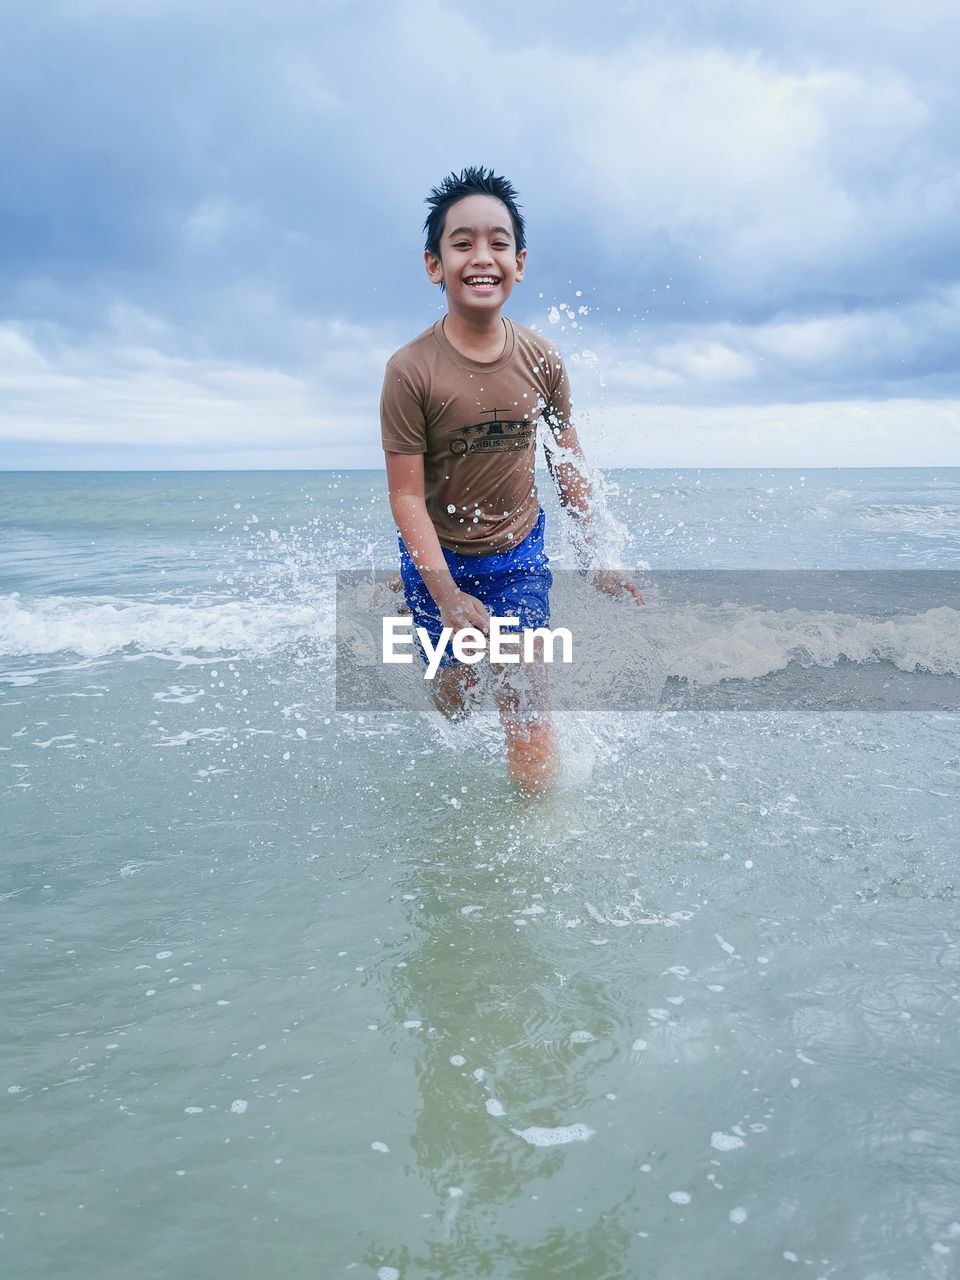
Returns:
(461, 610)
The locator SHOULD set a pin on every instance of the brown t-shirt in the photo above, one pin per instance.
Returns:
(476, 424)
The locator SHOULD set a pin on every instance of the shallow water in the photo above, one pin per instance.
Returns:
(315, 993)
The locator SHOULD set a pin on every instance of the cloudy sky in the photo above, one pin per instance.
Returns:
(742, 221)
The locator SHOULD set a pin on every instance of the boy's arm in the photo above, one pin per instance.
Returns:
(568, 469)
(409, 507)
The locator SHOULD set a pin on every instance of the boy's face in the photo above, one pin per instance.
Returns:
(478, 262)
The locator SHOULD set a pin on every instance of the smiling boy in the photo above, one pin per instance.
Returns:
(459, 414)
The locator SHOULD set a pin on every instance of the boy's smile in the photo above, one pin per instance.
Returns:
(482, 285)
(478, 262)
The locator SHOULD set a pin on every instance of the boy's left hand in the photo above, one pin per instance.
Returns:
(612, 583)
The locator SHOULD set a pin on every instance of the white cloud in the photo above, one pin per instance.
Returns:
(761, 182)
(19, 357)
(211, 221)
(84, 397)
(308, 85)
(886, 433)
(89, 406)
(901, 351)
(706, 361)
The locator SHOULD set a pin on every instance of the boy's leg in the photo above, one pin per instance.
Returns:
(521, 590)
(453, 690)
(523, 701)
(455, 682)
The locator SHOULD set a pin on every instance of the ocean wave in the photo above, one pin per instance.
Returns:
(707, 645)
(703, 644)
(910, 516)
(95, 626)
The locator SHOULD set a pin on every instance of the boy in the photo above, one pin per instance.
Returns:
(459, 415)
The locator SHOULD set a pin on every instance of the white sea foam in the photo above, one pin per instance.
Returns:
(706, 644)
(176, 693)
(725, 1141)
(700, 643)
(538, 1137)
(93, 626)
(910, 516)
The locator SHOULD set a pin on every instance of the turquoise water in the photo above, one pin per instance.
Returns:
(298, 992)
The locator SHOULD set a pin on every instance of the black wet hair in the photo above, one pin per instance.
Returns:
(470, 182)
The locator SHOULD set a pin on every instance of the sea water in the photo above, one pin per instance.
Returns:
(298, 992)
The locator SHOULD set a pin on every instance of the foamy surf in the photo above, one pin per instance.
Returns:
(700, 644)
(94, 626)
(707, 644)
(558, 1137)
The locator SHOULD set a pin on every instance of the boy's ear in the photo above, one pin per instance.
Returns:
(434, 268)
(521, 261)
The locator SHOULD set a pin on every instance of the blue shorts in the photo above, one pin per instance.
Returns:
(512, 584)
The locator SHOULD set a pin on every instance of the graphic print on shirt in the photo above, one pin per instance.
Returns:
(492, 437)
